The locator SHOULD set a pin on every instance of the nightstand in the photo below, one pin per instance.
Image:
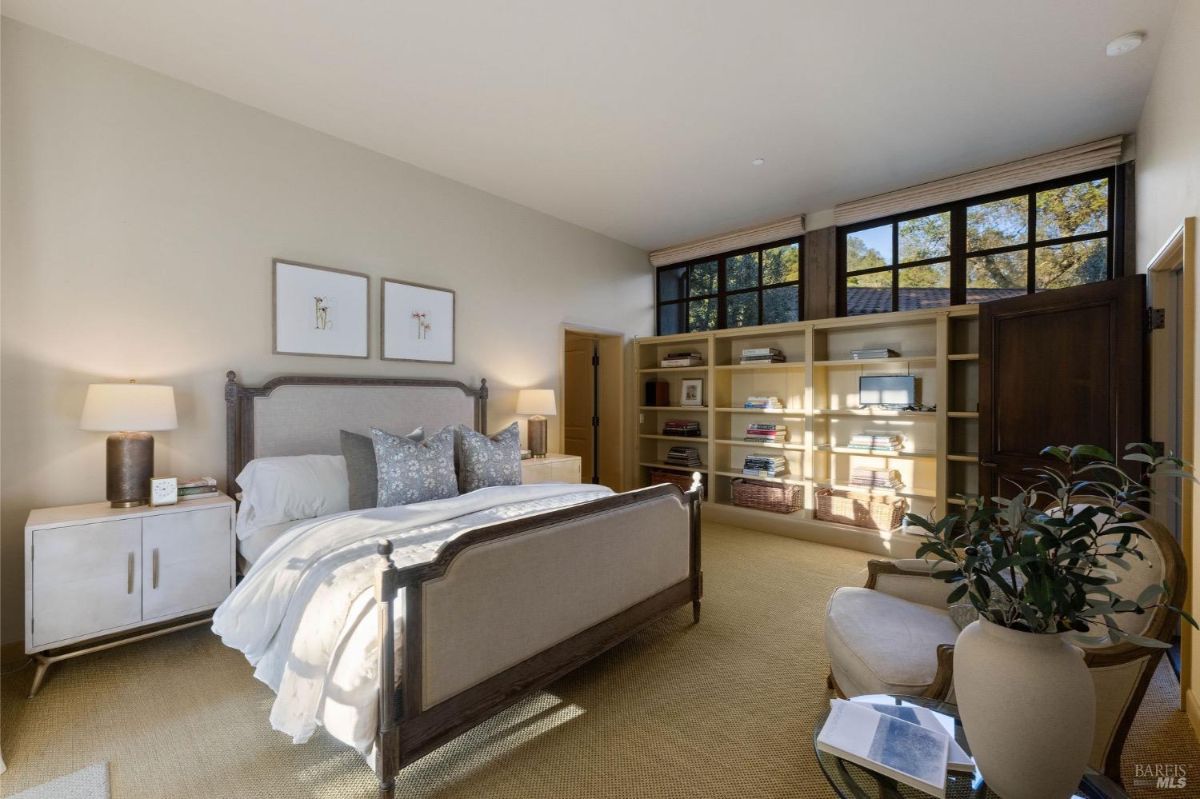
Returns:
(553, 468)
(96, 572)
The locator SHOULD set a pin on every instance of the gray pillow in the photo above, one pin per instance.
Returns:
(411, 471)
(484, 461)
(359, 452)
(962, 614)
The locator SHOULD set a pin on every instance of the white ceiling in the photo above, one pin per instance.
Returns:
(639, 118)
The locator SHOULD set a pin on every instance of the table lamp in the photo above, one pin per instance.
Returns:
(129, 411)
(537, 404)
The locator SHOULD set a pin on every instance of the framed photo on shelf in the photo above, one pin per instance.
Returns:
(318, 310)
(691, 392)
(418, 323)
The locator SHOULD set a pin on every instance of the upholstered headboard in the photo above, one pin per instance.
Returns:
(303, 414)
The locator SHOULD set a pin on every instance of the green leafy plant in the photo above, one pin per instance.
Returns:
(1044, 561)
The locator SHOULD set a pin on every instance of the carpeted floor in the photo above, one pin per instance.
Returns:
(722, 709)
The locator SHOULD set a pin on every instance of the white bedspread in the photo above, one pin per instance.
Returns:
(304, 616)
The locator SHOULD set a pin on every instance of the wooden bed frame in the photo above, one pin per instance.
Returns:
(407, 731)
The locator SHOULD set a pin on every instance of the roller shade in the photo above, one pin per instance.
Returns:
(788, 228)
(1085, 157)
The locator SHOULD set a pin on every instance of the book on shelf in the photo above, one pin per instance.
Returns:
(866, 477)
(762, 355)
(197, 488)
(765, 403)
(673, 359)
(907, 752)
(872, 353)
(768, 432)
(764, 465)
(681, 427)
(683, 456)
(874, 440)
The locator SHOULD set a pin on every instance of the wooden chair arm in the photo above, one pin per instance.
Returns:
(878, 567)
(943, 679)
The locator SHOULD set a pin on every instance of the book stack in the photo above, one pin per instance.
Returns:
(772, 403)
(681, 427)
(197, 489)
(764, 465)
(865, 477)
(767, 432)
(909, 743)
(762, 355)
(876, 440)
(684, 456)
(681, 359)
(873, 352)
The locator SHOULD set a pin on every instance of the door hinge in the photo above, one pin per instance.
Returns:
(595, 360)
(1156, 318)
(595, 421)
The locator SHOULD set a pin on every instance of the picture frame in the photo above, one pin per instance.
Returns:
(418, 322)
(691, 391)
(319, 311)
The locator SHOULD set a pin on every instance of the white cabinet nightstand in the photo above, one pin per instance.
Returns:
(553, 468)
(93, 571)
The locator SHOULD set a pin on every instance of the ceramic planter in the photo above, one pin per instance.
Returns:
(1028, 707)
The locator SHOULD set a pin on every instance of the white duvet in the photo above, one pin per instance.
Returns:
(305, 618)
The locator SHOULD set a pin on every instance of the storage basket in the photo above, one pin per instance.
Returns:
(860, 510)
(775, 497)
(681, 479)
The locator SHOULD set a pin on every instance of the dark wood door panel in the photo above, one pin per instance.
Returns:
(1062, 367)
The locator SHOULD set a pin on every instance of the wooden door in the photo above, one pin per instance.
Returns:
(86, 580)
(1060, 367)
(187, 562)
(579, 402)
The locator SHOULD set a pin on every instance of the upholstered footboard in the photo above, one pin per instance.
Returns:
(506, 609)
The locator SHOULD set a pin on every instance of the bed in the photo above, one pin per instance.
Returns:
(398, 629)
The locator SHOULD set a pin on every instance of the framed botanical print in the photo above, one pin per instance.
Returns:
(418, 322)
(318, 310)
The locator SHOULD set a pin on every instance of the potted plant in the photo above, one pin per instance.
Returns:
(1043, 569)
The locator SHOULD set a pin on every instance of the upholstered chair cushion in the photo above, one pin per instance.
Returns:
(488, 461)
(411, 471)
(882, 644)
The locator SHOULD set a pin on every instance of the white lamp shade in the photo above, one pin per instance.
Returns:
(129, 407)
(536, 402)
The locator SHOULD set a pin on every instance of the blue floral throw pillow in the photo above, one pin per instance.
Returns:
(488, 461)
(414, 471)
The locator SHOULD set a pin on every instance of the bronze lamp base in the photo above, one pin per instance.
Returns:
(537, 436)
(130, 467)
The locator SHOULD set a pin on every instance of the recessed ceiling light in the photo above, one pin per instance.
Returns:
(1124, 44)
(758, 162)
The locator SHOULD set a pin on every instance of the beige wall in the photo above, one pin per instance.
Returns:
(140, 216)
(1168, 190)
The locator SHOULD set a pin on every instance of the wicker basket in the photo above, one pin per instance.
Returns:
(860, 510)
(775, 497)
(681, 479)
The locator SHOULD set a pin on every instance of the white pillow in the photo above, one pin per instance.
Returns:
(283, 489)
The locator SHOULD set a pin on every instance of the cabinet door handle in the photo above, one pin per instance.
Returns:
(154, 569)
(129, 581)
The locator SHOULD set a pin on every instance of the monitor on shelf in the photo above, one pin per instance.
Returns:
(899, 390)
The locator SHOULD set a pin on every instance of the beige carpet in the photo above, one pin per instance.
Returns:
(723, 709)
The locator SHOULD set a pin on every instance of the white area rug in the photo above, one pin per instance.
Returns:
(87, 783)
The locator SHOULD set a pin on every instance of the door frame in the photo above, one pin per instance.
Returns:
(614, 372)
(1178, 254)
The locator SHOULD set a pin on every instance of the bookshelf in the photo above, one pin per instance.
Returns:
(818, 387)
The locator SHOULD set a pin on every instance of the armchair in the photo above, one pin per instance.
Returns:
(896, 635)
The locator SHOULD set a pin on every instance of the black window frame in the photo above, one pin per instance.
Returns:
(1113, 235)
(722, 294)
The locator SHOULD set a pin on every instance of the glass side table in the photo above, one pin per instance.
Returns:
(851, 781)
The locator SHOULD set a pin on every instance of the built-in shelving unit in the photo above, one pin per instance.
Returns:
(818, 385)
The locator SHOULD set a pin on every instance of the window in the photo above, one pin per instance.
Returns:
(760, 286)
(1036, 238)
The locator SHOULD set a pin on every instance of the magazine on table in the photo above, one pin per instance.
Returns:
(958, 760)
(908, 753)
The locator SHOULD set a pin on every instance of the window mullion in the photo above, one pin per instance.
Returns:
(1031, 237)
(958, 254)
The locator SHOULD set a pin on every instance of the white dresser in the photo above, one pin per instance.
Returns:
(554, 468)
(93, 571)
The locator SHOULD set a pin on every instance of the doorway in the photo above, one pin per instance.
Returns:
(592, 413)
